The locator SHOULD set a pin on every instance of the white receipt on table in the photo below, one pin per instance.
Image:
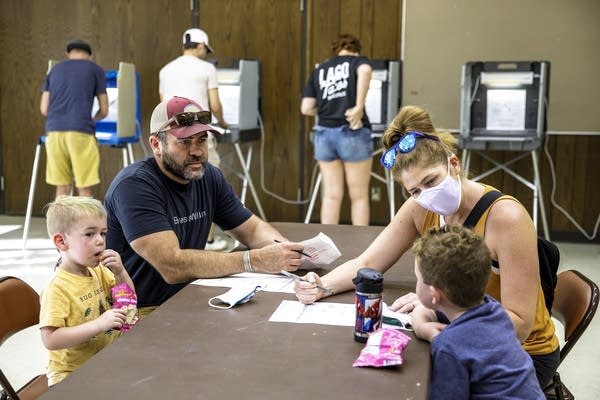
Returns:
(324, 313)
(322, 252)
(267, 282)
(317, 313)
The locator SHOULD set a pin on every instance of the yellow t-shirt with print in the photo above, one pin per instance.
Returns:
(71, 300)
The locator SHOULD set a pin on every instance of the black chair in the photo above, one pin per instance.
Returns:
(20, 309)
(575, 303)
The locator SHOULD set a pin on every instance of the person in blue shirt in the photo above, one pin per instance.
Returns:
(475, 353)
(160, 211)
(66, 102)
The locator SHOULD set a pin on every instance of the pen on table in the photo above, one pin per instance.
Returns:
(396, 322)
(290, 275)
(297, 251)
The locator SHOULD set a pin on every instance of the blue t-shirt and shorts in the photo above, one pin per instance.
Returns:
(333, 85)
(71, 146)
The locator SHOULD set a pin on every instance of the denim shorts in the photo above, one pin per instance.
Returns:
(342, 143)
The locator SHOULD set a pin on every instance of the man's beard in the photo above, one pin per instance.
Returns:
(179, 169)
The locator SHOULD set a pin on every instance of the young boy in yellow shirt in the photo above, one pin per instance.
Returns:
(76, 317)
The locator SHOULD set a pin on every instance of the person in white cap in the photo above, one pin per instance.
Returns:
(160, 211)
(191, 76)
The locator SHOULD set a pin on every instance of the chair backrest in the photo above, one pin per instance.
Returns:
(575, 303)
(19, 306)
(19, 309)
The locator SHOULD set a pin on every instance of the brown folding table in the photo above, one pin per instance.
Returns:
(188, 350)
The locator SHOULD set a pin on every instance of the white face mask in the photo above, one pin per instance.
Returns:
(239, 294)
(442, 199)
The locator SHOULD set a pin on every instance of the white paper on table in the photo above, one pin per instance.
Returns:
(324, 313)
(267, 282)
(322, 252)
(317, 313)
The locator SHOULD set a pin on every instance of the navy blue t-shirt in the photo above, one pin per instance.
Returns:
(73, 84)
(479, 357)
(141, 200)
(333, 84)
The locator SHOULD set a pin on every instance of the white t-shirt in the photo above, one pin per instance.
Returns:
(188, 76)
(191, 77)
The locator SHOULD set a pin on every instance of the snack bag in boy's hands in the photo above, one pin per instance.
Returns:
(124, 297)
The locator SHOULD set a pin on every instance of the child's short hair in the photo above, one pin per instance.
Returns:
(65, 211)
(455, 260)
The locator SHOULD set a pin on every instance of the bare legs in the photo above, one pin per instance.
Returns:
(65, 190)
(357, 176)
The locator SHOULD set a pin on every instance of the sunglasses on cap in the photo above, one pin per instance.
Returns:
(406, 144)
(186, 119)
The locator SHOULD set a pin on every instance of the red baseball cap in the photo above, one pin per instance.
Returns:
(167, 109)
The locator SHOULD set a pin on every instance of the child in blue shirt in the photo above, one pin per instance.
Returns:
(475, 353)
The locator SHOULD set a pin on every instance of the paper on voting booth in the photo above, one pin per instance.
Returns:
(322, 252)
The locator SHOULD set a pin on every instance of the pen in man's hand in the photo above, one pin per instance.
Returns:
(297, 251)
(299, 278)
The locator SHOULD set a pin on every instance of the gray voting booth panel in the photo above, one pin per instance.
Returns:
(239, 95)
(503, 105)
(383, 97)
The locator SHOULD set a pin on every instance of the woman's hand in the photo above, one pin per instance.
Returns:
(354, 117)
(406, 303)
(307, 291)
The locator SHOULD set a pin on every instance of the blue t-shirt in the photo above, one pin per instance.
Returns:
(141, 200)
(333, 84)
(73, 84)
(478, 356)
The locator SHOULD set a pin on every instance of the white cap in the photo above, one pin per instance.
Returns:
(197, 36)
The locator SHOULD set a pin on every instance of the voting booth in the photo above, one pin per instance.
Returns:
(239, 93)
(122, 126)
(503, 107)
(381, 105)
(383, 98)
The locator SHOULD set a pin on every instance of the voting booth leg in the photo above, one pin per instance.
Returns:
(313, 198)
(391, 195)
(389, 188)
(538, 195)
(34, 172)
(387, 179)
(247, 163)
(248, 179)
(535, 186)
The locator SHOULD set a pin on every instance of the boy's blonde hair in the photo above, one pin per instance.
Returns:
(455, 260)
(65, 211)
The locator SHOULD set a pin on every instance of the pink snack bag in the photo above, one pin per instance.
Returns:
(383, 349)
(124, 298)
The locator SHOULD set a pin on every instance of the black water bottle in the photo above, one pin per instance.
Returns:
(368, 301)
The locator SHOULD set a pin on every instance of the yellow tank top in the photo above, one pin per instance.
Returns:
(542, 339)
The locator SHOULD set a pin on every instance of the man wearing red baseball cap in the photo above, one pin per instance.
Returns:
(191, 75)
(160, 211)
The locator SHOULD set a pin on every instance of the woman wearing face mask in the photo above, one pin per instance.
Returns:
(423, 160)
